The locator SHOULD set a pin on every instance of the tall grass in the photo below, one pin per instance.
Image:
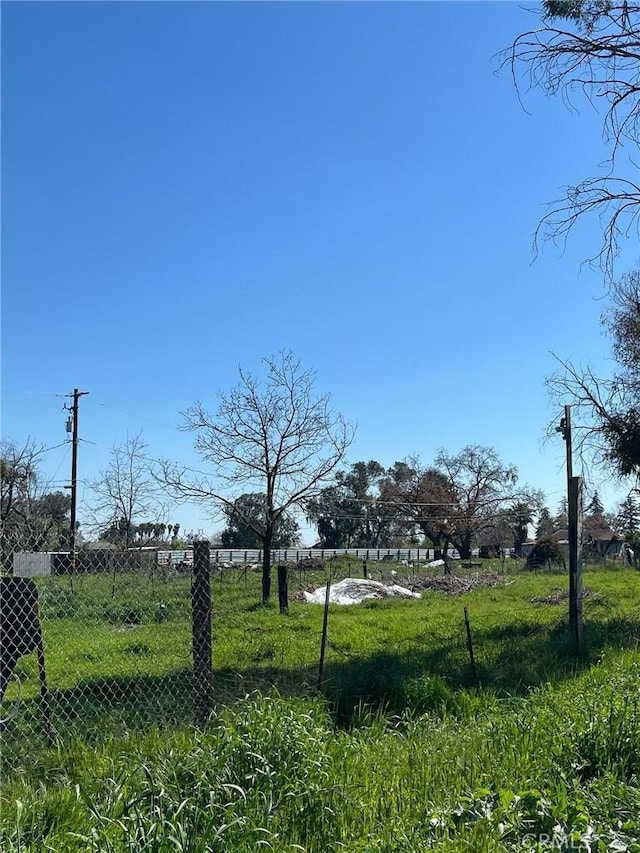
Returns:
(276, 773)
(401, 753)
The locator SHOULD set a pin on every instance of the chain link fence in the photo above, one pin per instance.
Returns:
(102, 642)
(113, 641)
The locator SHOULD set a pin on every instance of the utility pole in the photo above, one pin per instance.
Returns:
(74, 474)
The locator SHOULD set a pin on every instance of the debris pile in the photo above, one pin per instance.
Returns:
(456, 584)
(308, 564)
(559, 595)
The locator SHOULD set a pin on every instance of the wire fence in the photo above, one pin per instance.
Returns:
(112, 641)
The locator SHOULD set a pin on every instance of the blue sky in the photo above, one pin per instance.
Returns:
(192, 186)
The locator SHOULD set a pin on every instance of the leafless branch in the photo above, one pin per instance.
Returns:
(276, 437)
(598, 61)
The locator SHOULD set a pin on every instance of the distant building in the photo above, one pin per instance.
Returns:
(33, 564)
(597, 544)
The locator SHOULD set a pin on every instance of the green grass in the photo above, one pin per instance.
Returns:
(401, 752)
(277, 772)
(381, 652)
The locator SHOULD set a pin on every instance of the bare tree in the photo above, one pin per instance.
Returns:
(485, 488)
(606, 410)
(238, 535)
(590, 50)
(17, 473)
(125, 491)
(31, 517)
(422, 498)
(276, 436)
(460, 497)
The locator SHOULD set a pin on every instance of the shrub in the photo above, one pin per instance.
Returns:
(546, 552)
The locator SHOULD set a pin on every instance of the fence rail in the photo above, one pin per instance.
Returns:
(27, 565)
(296, 555)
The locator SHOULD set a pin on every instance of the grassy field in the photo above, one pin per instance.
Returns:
(402, 750)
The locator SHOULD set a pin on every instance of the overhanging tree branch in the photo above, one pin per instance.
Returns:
(598, 61)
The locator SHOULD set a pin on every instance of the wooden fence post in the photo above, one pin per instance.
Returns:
(575, 560)
(283, 589)
(201, 634)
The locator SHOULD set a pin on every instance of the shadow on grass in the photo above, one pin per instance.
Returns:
(100, 708)
(431, 675)
(510, 659)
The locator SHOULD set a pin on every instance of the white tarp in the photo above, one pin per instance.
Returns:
(355, 590)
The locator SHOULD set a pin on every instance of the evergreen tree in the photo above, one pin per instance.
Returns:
(628, 516)
(595, 505)
(546, 527)
(561, 518)
(246, 521)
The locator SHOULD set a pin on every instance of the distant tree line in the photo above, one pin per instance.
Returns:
(459, 500)
(273, 453)
(127, 534)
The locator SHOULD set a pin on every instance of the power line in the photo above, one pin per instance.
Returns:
(64, 458)
(140, 417)
(365, 501)
(6, 391)
(406, 501)
(144, 457)
(55, 446)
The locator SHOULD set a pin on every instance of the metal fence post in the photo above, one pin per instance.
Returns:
(201, 634)
(323, 643)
